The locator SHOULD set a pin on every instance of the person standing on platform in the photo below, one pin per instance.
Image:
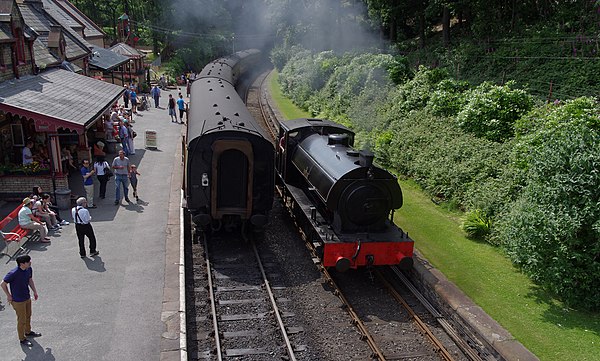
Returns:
(126, 97)
(27, 154)
(101, 167)
(181, 105)
(121, 166)
(155, 92)
(172, 109)
(133, 173)
(124, 135)
(87, 172)
(20, 280)
(83, 227)
(134, 102)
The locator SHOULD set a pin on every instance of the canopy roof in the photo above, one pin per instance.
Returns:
(58, 98)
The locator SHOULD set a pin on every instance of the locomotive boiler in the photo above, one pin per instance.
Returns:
(229, 159)
(344, 202)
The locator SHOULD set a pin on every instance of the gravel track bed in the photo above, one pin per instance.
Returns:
(425, 316)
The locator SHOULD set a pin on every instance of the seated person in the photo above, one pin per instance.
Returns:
(41, 210)
(28, 221)
(38, 193)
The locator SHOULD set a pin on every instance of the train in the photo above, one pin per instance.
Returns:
(341, 199)
(228, 157)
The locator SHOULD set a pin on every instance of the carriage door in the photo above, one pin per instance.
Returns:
(231, 191)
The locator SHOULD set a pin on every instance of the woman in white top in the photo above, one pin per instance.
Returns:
(101, 167)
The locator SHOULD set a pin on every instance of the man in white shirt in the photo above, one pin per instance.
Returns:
(27, 155)
(83, 227)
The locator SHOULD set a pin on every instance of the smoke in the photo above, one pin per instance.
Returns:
(328, 25)
(338, 25)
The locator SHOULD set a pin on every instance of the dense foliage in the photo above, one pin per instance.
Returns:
(526, 173)
(552, 229)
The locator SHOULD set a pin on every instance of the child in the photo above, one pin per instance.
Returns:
(133, 173)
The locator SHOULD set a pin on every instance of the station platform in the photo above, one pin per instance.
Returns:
(123, 304)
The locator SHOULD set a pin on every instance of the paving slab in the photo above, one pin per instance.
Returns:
(111, 307)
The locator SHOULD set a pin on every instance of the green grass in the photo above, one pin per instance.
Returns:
(286, 107)
(541, 323)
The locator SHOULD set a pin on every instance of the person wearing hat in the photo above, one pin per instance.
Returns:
(99, 149)
(28, 221)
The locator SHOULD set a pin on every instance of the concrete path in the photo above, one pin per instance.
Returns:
(119, 305)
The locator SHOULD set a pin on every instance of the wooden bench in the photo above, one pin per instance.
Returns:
(15, 235)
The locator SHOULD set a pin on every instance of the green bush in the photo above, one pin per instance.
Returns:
(490, 111)
(415, 93)
(552, 230)
(445, 161)
(476, 224)
(448, 97)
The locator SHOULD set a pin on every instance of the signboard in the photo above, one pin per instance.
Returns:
(151, 141)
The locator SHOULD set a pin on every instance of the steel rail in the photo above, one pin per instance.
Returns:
(269, 117)
(356, 319)
(213, 306)
(377, 353)
(422, 326)
(290, 349)
(460, 342)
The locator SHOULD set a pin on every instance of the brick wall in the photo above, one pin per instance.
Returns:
(15, 187)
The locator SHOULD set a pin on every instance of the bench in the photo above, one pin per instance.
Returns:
(15, 235)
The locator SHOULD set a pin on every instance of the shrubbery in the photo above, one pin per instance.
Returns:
(490, 111)
(528, 176)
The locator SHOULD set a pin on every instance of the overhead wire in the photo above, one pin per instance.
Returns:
(178, 32)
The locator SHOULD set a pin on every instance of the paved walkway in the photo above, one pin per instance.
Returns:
(123, 304)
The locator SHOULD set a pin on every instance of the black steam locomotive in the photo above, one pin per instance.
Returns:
(229, 160)
(343, 201)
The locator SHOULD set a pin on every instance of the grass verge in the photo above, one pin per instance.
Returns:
(542, 324)
(287, 109)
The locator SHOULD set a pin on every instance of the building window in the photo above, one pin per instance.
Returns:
(18, 139)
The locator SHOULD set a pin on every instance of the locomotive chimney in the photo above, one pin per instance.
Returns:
(366, 158)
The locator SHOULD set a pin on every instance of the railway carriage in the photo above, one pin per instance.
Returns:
(229, 160)
(342, 200)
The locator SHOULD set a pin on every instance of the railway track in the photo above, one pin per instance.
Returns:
(442, 340)
(239, 314)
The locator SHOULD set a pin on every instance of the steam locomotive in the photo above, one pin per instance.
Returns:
(341, 199)
(343, 202)
(229, 159)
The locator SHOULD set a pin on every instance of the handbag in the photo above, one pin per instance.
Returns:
(108, 172)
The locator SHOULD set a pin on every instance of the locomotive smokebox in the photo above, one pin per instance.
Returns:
(366, 158)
